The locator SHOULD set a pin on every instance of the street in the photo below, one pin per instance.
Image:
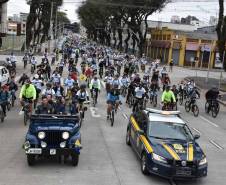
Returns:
(105, 158)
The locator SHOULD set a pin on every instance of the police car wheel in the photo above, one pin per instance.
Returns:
(128, 137)
(144, 164)
(31, 160)
(75, 159)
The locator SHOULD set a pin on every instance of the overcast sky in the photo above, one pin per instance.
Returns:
(202, 9)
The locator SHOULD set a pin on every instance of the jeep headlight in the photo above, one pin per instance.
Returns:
(41, 135)
(158, 158)
(65, 135)
(203, 161)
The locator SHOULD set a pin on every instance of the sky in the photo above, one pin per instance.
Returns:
(202, 9)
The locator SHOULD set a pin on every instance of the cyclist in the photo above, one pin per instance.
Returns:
(211, 97)
(59, 90)
(33, 63)
(25, 60)
(12, 60)
(168, 97)
(82, 95)
(12, 87)
(27, 93)
(139, 94)
(108, 79)
(38, 85)
(4, 95)
(68, 85)
(48, 90)
(56, 78)
(95, 86)
(113, 98)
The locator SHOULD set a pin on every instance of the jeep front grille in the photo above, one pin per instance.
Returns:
(53, 138)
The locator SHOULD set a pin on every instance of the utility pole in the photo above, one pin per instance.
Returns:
(51, 26)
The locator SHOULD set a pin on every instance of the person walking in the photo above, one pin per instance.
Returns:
(171, 65)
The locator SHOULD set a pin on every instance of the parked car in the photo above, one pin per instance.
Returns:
(4, 75)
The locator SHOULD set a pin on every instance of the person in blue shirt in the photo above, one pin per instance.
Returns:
(4, 95)
(113, 98)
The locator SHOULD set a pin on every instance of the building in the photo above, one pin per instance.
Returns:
(213, 21)
(3, 17)
(17, 24)
(175, 19)
(185, 48)
(172, 26)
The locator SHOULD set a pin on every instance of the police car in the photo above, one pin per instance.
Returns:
(165, 145)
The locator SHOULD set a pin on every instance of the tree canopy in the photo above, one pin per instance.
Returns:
(105, 19)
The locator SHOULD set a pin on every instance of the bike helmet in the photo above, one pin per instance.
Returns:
(82, 86)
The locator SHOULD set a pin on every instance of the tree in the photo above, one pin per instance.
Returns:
(104, 19)
(221, 33)
(38, 21)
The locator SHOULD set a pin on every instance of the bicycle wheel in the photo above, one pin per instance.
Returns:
(187, 106)
(155, 101)
(206, 107)
(25, 118)
(195, 110)
(214, 111)
(180, 99)
(112, 117)
(2, 116)
(81, 118)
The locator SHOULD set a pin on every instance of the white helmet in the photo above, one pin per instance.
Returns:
(36, 76)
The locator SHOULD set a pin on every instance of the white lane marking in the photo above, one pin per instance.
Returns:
(103, 83)
(216, 145)
(125, 116)
(196, 130)
(208, 121)
(93, 111)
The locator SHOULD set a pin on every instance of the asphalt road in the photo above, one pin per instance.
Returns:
(105, 158)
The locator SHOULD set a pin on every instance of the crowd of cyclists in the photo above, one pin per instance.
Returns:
(86, 65)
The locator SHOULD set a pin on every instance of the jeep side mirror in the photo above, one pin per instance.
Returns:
(196, 136)
(140, 132)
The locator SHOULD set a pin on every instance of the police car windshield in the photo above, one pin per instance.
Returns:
(167, 130)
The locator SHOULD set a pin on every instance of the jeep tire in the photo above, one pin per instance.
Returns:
(75, 159)
(31, 160)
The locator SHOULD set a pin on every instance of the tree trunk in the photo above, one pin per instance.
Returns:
(119, 47)
(127, 40)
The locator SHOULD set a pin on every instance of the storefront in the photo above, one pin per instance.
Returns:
(176, 52)
(190, 53)
(160, 50)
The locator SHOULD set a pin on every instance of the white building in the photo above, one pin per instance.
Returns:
(175, 19)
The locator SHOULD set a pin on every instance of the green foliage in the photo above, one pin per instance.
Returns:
(102, 17)
(38, 22)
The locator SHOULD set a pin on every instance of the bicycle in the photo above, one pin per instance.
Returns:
(32, 68)
(214, 107)
(112, 114)
(26, 109)
(168, 106)
(190, 105)
(2, 115)
(124, 91)
(82, 112)
(153, 97)
(94, 95)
